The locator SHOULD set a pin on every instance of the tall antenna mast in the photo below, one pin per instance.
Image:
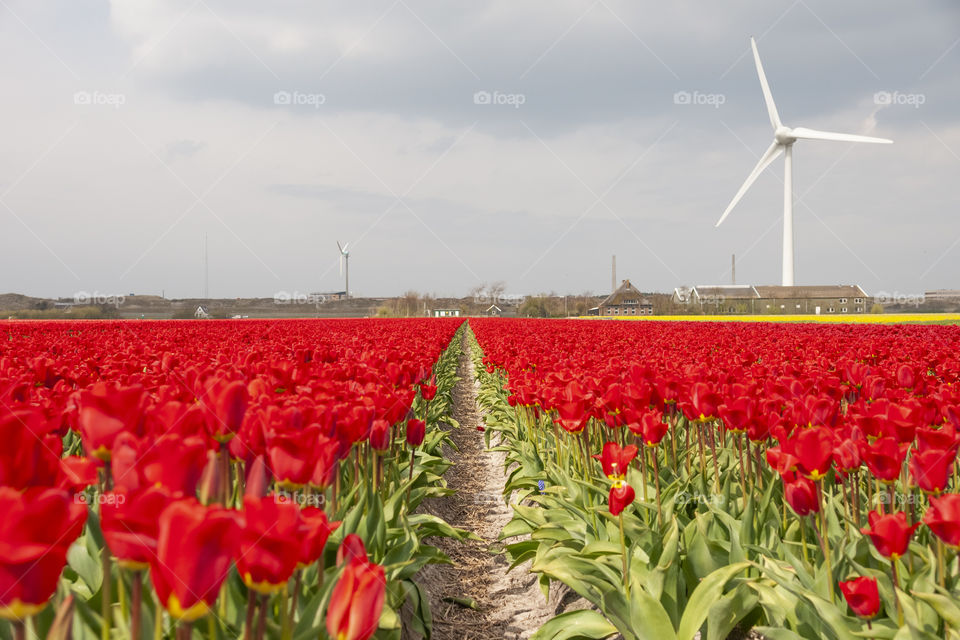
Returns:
(733, 268)
(206, 268)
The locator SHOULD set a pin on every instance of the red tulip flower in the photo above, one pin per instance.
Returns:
(621, 496)
(195, 548)
(704, 402)
(130, 527)
(428, 391)
(380, 433)
(29, 455)
(37, 526)
(943, 518)
(862, 596)
(416, 431)
(351, 547)
(269, 542)
(292, 456)
(77, 473)
(884, 457)
(813, 448)
(653, 428)
(615, 459)
(171, 461)
(315, 529)
(801, 494)
(890, 533)
(931, 468)
(225, 405)
(356, 601)
(105, 411)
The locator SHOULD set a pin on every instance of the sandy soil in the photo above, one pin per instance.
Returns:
(508, 605)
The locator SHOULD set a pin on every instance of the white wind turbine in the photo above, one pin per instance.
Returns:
(783, 139)
(345, 257)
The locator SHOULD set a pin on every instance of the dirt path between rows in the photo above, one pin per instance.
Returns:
(508, 605)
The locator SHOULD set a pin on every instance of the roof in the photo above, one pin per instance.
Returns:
(815, 291)
(625, 291)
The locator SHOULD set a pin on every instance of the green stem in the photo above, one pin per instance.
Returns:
(286, 631)
(896, 586)
(105, 594)
(135, 609)
(623, 551)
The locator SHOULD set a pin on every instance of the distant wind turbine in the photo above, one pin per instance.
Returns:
(345, 258)
(783, 139)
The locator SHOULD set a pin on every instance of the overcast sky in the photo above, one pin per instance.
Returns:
(457, 142)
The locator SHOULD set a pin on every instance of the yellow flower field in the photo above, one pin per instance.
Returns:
(899, 318)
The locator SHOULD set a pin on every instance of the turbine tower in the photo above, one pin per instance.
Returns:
(783, 139)
(345, 258)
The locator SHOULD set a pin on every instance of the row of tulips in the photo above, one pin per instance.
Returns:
(691, 477)
(220, 480)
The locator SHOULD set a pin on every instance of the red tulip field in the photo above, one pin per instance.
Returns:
(799, 480)
(273, 479)
(218, 480)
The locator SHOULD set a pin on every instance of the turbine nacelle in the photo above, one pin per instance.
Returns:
(784, 135)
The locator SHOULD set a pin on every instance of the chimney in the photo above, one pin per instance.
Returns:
(613, 275)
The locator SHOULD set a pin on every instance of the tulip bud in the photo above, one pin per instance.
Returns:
(621, 496)
(209, 487)
(862, 596)
(416, 431)
(380, 435)
(351, 547)
(257, 482)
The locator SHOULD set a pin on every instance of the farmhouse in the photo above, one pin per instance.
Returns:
(625, 301)
(816, 299)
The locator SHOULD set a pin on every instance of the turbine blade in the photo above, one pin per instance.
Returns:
(813, 134)
(769, 156)
(345, 247)
(339, 247)
(767, 96)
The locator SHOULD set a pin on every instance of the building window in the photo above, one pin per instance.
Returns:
(798, 306)
(830, 310)
(843, 301)
(843, 310)
(858, 300)
(859, 309)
